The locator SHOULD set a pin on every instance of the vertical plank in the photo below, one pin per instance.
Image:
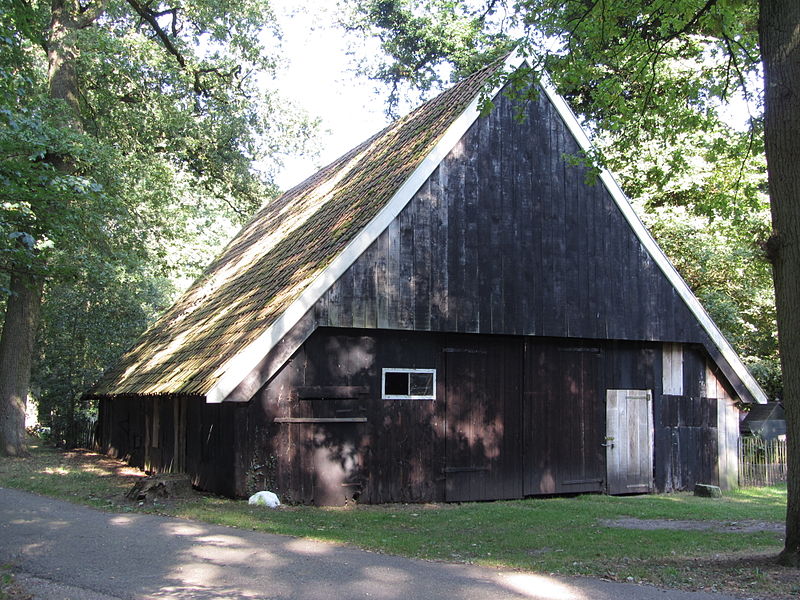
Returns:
(456, 236)
(439, 251)
(359, 294)
(334, 304)
(469, 313)
(422, 252)
(406, 283)
(672, 370)
(727, 443)
(382, 279)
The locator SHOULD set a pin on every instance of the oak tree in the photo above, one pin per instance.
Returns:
(125, 125)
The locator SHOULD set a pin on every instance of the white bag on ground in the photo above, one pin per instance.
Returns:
(265, 499)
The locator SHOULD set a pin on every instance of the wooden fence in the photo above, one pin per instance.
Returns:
(761, 462)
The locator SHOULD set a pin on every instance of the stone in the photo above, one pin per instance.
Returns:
(705, 490)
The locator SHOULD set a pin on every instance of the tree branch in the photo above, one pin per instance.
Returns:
(693, 21)
(90, 13)
(150, 17)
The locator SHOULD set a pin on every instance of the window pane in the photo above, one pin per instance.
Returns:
(421, 384)
(396, 384)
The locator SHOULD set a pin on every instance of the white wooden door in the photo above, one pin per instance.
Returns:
(629, 441)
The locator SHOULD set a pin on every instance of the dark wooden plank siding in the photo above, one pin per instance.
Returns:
(564, 417)
(686, 430)
(527, 417)
(483, 397)
(507, 237)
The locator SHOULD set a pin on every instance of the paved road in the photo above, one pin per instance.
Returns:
(69, 552)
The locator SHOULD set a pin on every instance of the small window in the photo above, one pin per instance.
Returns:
(416, 384)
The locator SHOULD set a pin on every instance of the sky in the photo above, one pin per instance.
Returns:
(319, 78)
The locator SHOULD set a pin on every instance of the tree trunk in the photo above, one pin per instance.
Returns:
(62, 53)
(22, 311)
(16, 354)
(778, 36)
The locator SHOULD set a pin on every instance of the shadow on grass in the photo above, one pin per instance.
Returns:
(562, 535)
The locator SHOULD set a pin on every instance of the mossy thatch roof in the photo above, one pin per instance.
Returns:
(278, 254)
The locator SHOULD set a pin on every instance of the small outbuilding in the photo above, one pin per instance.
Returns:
(767, 421)
(450, 311)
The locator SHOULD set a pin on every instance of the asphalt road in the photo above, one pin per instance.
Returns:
(68, 552)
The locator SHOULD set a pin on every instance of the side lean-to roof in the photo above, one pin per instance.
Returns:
(290, 253)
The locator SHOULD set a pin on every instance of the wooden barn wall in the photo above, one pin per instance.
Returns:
(319, 432)
(376, 450)
(213, 451)
(506, 237)
(695, 438)
(523, 416)
(187, 435)
(122, 428)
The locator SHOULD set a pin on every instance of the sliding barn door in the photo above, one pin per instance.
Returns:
(483, 419)
(629, 441)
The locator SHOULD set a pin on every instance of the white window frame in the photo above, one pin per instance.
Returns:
(386, 396)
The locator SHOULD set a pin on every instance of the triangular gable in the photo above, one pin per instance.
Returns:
(721, 350)
(242, 365)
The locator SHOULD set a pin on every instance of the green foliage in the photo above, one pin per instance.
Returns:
(121, 204)
(423, 39)
(88, 322)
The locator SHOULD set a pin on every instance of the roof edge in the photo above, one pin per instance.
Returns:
(652, 247)
(243, 363)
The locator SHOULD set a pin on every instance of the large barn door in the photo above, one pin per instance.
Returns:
(483, 459)
(629, 441)
(564, 418)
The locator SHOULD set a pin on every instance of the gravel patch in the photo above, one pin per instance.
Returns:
(723, 526)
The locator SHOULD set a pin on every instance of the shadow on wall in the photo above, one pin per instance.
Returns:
(336, 440)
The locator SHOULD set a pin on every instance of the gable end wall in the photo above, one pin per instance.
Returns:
(505, 237)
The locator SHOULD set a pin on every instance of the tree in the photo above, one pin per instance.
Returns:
(778, 27)
(122, 122)
(638, 72)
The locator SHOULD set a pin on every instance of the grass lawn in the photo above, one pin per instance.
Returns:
(673, 540)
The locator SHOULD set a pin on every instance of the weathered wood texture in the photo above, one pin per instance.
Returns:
(564, 416)
(629, 441)
(337, 375)
(727, 430)
(513, 416)
(506, 237)
(483, 419)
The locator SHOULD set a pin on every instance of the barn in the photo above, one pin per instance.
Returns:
(451, 311)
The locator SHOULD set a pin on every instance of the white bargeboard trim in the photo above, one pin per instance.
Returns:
(655, 251)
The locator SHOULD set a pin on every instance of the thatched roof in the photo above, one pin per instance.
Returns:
(278, 254)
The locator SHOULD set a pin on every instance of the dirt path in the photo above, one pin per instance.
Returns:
(61, 550)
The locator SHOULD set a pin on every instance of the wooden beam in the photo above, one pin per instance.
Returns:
(321, 420)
